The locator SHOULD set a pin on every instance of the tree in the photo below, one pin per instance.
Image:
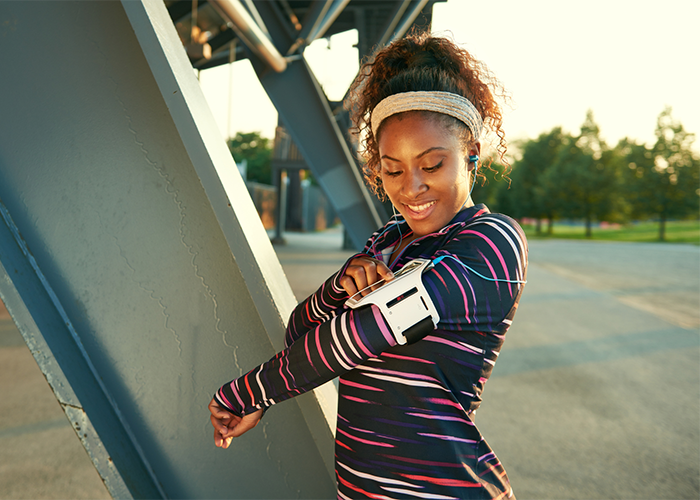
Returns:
(663, 181)
(533, 194)
(584, 178)
(257, 151)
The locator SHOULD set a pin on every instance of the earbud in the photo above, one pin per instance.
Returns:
(474, 159)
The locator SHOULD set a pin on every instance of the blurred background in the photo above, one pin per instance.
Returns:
(597, 393)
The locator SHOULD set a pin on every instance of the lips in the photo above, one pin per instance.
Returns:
(420, 211)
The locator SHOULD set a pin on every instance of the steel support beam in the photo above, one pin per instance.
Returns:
(401, 20)
(74, 379)
(408, 19)
(311, 22)
(328, 19)
(250, 33)
(306, 114)
(133, 261)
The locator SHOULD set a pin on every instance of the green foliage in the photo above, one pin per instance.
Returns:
(584, 178)
(580, 177)
(662, 181)
(534, 191)
(257, 151)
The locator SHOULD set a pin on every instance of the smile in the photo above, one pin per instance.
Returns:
(419, 210)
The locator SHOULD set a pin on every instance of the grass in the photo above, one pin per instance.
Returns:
(676, 232)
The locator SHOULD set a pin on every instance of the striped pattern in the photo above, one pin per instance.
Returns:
(406, 413)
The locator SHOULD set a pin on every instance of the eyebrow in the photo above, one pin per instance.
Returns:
(421, 155)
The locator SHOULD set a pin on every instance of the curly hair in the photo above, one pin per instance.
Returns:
(417, 62)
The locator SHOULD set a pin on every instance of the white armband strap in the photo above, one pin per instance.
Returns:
(404, 303)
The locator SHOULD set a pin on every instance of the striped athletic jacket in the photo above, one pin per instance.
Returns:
(406, 412)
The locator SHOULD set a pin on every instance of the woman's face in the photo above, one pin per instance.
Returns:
(423, 170)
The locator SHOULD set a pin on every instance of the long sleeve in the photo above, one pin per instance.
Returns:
(323, 353)
(475, 286)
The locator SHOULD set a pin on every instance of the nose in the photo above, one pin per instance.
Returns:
(414, 183)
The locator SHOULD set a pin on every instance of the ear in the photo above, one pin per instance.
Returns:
(473, 156)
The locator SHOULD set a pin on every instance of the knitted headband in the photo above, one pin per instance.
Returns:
(446, 103)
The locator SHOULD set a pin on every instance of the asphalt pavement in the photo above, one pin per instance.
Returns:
(596, 394)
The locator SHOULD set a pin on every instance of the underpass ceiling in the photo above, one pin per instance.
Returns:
(375, 21)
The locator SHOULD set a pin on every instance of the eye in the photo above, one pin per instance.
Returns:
(434, 168)
(394, 173)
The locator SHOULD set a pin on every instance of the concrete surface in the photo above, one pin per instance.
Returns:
(596, 394)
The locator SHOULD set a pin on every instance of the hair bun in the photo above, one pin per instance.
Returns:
(421, 59)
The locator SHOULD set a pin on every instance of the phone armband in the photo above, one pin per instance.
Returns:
(404, 303)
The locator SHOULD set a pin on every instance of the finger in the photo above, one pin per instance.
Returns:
(357, 280)
(370, 268)
(218, 439)
(222, 442)
(383, 271)
(219, 425)
(348, 285)
(359, 276)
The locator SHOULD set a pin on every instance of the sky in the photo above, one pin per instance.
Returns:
(624, 60)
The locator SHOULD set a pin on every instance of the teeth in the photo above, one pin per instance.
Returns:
(420, 208)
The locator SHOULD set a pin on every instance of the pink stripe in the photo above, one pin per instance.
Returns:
(493, 271)
(416, 376)
(294, 382)
(440, 417)
(308, 353)
(439, 340)
(360, 386)
(366, 441)
(381, 323)
(441, 401)
(234, 389)
(358, 400)
(225, 399)
(407, 358)
(447, 438)
(320, 351)
(464, 295)
(495, 250)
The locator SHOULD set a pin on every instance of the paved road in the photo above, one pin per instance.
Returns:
(596, 394)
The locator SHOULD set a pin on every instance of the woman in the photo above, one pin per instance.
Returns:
(406, 412)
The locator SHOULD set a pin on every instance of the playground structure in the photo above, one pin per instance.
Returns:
(131, 257)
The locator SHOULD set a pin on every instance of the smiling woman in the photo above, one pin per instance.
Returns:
(406, 411)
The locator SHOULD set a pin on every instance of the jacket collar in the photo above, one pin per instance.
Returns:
(396, 230)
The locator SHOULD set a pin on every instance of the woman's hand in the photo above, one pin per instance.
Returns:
(364, 272)
(228, 426)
